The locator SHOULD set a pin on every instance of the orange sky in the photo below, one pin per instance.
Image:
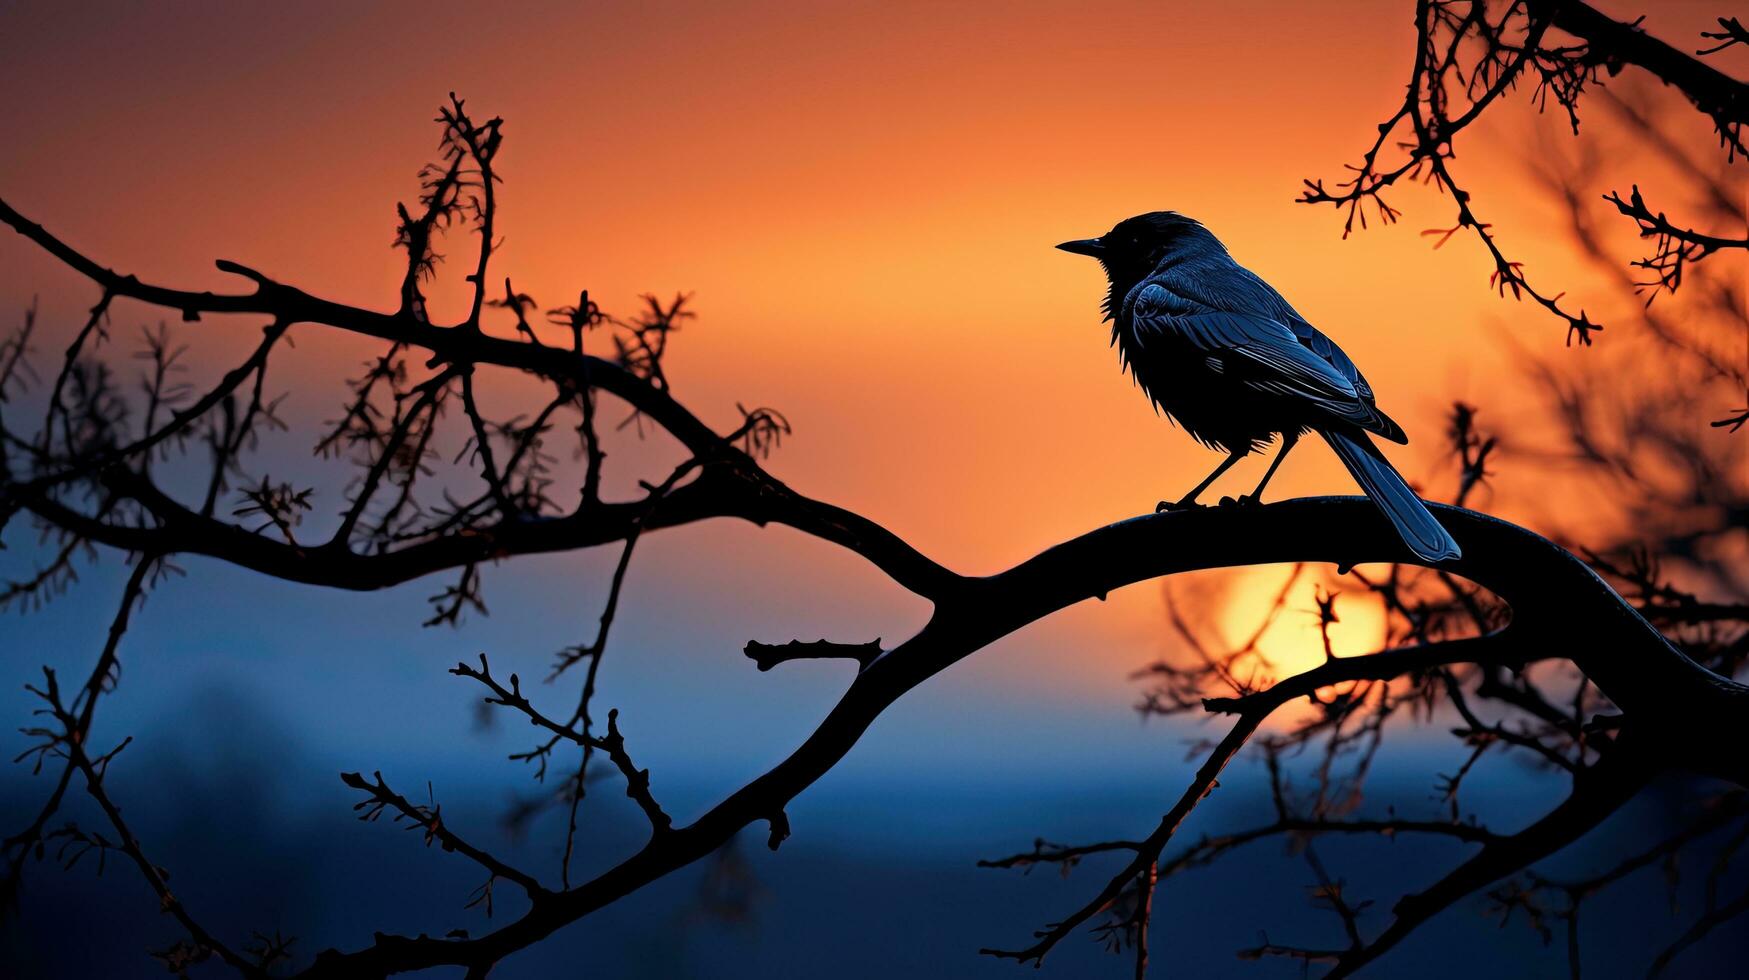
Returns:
(861, 196)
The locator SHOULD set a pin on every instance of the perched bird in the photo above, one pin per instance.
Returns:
(1227, 358)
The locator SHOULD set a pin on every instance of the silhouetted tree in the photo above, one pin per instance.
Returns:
(440, 484)
(1472, 54)
(1667, 525)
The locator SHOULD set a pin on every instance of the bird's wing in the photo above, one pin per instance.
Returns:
(1232, 287)
(1314, 340)
(1324, 347)
(1259, 352)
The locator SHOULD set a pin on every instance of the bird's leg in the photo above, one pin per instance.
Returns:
(1189, 500)
(1288, 441)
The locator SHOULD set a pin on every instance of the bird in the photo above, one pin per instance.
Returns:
(1225, 357)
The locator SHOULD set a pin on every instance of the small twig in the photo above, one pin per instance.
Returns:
(429, 818)
(769, 655)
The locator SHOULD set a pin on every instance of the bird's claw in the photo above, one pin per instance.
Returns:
(1243, 500)
(1173, 506)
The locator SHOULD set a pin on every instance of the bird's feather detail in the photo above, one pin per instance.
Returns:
(1257, 351)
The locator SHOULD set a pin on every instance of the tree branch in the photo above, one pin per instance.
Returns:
(769, 655)
(1713, 92)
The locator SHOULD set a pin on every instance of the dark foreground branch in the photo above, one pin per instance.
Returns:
(1561, 608)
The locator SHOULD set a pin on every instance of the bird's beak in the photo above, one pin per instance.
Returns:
(1086, 246)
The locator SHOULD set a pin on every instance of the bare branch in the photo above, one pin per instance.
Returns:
(769, 655)
(428, 818)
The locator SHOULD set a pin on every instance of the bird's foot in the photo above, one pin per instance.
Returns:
(1243, 500)
(1173, 506)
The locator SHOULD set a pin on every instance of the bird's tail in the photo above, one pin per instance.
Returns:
(1418, 528)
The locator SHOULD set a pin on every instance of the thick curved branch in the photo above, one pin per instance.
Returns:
(1561, 608)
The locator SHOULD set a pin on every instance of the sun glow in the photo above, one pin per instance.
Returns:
(1274, 610)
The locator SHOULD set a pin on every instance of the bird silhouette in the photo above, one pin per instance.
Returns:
(1224, 355)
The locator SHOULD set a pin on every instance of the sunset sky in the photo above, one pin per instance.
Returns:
(861, 199)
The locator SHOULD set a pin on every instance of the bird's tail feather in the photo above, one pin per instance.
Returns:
(1419, 529)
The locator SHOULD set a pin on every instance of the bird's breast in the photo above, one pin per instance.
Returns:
(1191, 386)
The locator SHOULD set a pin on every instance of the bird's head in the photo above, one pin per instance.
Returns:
(1136, 246)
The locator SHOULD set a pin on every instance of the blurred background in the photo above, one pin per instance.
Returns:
(861, 199)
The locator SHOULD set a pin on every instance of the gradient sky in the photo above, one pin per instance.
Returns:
(862, 198)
